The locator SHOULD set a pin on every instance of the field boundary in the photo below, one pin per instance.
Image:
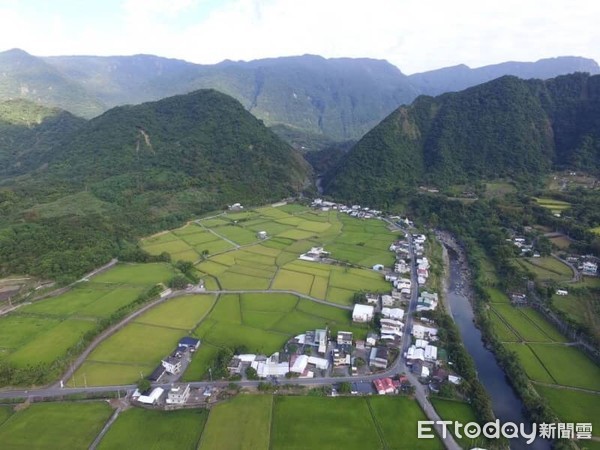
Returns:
(105, 429)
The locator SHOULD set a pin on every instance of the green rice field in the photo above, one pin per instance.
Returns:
(158, 430)
(54, 426)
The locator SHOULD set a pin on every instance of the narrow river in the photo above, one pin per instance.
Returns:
(506, 404)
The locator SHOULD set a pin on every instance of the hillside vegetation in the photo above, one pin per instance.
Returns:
(507, 127)
(77, 201)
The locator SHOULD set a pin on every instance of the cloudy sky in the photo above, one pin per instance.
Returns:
(415, 35)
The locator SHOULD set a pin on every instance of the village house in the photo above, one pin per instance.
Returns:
(589, 268)
(427, 302)
(385, 386)
(178, 395)
(189, 343)
(372, 339)
(422, 332)
(362, 313)
(387, 300)
(151, 399)
(392, 313)
(344, 338)
(372, 299)
(172, 365)
(379, 357)
(262, 235)
(314, 254)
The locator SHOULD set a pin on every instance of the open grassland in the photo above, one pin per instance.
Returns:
(158, 430)
(5, 413)
(140, 345)
(573, 406)
(533, 366)
(251, 415)
(54, 426)
(568, 366)
(459, 412)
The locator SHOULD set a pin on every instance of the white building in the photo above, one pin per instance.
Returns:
(590, 268)
(392, 313)
(423, 332)
(178, 395)
(430, 353)
(387, 300)
(362, 313)
(152, 398)
(171, 365)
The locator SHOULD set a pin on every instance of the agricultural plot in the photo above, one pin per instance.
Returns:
(573, 406)
(263, 323)
(501, 329)
(497, 296)
(17, 329)
(568, 366)
(533, 367)
(543, 324)
(137, 274)
(556, 206)
(313, 422)
(547, 268)
(458, 412)
(158, 430)
(251, 415)
(520, 323)
(140, 345)
(54, 425)
(53, 344)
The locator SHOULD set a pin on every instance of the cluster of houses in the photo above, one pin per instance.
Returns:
(172, 365)
(176, 396)
(354, 210)
(524, 245)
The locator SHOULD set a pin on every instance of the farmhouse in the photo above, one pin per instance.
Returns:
(172, 365)
(314, 254)
(261, 235)
(362, 313)
(562, 292)
(589, 268)
(372, 299)
(189, 343)
(178, 395)
(151, 399)
(270, 367)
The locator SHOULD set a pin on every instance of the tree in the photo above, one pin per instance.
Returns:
(144, 385)
(251, 373)
(178, 282)
(345, 388)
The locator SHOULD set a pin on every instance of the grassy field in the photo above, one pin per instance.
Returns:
(54, 426)
(556, 206)
(501, 329)
(547, 268)
(157, 430)
(251, 415)
(459, 412)
(568, 366)
(573, 406)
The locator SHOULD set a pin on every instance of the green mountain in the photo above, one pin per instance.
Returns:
(339, 98)
(133, 170)
(308, 99)
(458, 78)
(27, 77)
(507, 127)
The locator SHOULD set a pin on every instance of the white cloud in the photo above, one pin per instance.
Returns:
(413, 34)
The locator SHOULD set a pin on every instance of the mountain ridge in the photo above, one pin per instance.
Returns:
(337, 98)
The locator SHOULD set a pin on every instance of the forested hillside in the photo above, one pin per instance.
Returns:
(507, 127)
(133, 170)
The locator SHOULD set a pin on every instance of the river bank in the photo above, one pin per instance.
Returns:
(460, 296)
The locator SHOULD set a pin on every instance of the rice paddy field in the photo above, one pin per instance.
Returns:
(541, 349)
(459, 412)
(556, 206)
(157, 430)
(139, 346)
(54, 426)
(44, 331)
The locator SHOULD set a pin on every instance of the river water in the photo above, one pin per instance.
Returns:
(505, 403)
